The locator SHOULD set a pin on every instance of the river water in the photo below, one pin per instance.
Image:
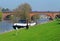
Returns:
(7, 26)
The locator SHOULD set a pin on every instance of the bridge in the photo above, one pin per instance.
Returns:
(48, 14)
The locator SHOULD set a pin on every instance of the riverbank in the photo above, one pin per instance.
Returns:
(43, 32)
(6, 25)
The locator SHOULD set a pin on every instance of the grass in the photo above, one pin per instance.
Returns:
(43, 32)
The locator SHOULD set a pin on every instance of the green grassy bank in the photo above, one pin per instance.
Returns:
(43, 32)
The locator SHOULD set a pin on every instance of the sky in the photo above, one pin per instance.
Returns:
(37, 5)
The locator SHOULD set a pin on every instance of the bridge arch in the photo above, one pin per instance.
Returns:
(48, 14)
(7, 17)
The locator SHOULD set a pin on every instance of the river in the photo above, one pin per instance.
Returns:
(7, 26)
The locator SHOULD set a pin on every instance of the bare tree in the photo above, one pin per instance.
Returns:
(22, 12)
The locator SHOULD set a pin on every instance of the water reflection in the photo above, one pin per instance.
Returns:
(43, 20)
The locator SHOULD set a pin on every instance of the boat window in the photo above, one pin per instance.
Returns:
(22, 21)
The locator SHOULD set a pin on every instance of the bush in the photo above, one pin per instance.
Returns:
(0, 16)
(58, 18)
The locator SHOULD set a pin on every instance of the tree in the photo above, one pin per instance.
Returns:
(58, 18)
(5, 10)
(0, 14)
(36, 17)
(22, 12)
(0, 9)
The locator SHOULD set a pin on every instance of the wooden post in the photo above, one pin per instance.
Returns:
(27, 24)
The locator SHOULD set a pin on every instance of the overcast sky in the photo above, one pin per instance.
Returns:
(37, 5)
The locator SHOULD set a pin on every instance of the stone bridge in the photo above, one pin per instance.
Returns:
(49, 14)
(5, 14)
